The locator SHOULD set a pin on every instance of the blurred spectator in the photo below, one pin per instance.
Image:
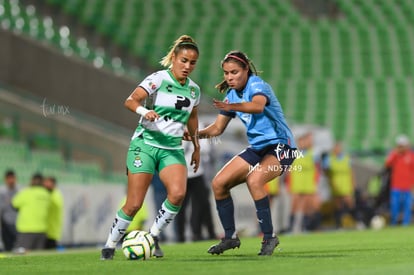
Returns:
(303, 186)
(272, 188)
(55, 217)
(7, 212)
(382, 197)
(282, 206)
(32, 204)
(337, 166)
(364, 208)
(401, 162)
(197, 196)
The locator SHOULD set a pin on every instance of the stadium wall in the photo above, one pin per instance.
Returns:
(46, 72)
(88, 216)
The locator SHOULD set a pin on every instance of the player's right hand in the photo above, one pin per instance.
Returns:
(152, 115)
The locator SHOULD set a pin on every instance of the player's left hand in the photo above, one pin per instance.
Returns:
(195, 159)
(186, 135)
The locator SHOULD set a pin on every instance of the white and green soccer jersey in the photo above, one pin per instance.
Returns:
(174, 103)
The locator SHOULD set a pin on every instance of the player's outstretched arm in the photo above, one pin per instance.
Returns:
(216, 128)
(256, 106)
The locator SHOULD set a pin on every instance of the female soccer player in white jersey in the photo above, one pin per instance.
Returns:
(156, 143)
(271, 150)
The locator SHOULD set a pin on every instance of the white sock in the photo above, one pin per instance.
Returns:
(118, 229)
(165, 216)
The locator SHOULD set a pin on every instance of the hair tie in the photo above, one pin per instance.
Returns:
(187, 43)
(238, 58)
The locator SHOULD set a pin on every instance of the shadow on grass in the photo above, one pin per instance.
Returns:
(312, 256)
(226, 258)
(255, 258)
(329, 253)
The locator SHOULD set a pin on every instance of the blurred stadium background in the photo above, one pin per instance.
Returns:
(342, 68)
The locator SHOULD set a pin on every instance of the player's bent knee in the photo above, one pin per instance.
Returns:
(219, 187)
(255, 184)
(177, 197)
(132, 209)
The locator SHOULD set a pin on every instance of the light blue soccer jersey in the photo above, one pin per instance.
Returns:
(268, 127)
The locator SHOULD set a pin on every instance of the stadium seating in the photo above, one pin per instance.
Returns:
(24, 19)
(353, 74)
(26, 162)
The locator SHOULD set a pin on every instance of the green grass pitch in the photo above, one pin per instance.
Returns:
(387, 251)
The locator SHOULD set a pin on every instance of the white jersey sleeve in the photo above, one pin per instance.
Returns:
(152, 82)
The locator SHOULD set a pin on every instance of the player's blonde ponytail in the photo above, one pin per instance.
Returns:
(183, 42)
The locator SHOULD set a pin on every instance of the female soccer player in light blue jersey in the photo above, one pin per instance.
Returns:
(271, 150)
(156, 143)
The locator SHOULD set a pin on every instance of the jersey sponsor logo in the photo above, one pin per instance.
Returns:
(178, 102)
(182, 102)
(152, 85)
(137, 151)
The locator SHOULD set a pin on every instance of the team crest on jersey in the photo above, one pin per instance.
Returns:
(192, 92)
(152, 85)
(246, 118)
(137, 162)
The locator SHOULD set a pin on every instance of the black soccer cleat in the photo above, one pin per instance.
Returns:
(107, 253)
(268, 246)
(224, 245)
(157, 252)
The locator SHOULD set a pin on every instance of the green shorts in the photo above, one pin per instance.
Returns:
(144, 158)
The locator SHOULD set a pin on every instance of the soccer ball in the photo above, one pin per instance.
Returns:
(138, 245)
(378, 222)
